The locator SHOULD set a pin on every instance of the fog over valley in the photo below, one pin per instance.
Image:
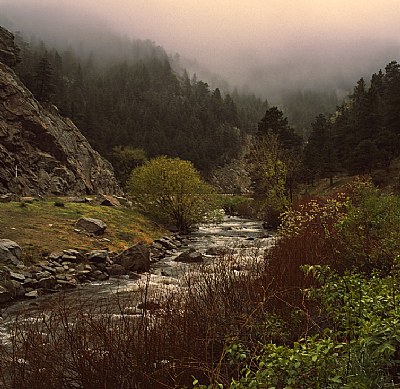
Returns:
(263, 47)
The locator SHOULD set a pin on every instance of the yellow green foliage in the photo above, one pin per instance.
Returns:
(321, 213)
(172, 191)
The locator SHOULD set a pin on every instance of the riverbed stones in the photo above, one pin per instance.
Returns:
(10, 252)
(92, 226)
(190, 256)
(135, 258)
(5, 295)
(216, 251)
(47, 283)
(17, 276)
(166, 243)
(32, 294)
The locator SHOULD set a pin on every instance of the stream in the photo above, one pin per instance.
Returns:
(235, 235)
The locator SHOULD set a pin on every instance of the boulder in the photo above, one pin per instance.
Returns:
(190, 256)
(93, 226)
(107, 200)
(135, 258)
(5, 295)
(98, 275)
(15, 288)
(215, 250)
(10, 252)
(115, 270)
(98, 256)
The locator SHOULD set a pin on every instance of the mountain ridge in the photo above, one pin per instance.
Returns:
(41, 152)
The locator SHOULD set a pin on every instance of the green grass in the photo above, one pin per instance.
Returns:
(42, 227)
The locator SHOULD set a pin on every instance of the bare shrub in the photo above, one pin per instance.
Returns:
(180, 332)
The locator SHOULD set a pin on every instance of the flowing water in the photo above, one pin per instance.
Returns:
(241, 237)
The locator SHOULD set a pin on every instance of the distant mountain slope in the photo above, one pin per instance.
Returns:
(40, 151)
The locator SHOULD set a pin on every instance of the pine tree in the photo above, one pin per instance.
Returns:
(44, 86)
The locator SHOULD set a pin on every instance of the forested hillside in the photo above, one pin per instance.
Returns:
(363, 134)
(136, 106)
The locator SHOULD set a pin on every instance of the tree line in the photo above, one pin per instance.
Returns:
(363, 133)
(139, 102)
(361, 136)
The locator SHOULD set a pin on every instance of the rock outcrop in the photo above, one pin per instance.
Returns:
(9, 52)
(10, 252)
(41, 152)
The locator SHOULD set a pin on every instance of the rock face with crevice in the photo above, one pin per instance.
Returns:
(41, 152)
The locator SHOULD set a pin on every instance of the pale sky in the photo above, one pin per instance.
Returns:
(240, 37)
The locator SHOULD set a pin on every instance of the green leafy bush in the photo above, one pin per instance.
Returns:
(369, 233)
(172, 191)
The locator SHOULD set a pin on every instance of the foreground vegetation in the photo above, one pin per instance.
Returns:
(318, 310)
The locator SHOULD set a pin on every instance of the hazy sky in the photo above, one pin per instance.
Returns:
(240, 38)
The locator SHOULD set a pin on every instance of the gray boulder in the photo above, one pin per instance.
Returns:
(93, 226)
(10, 252)
(15, 288)
(98, 256)
(135, 258)
(190, 256)
(215, 250)
(107, 200)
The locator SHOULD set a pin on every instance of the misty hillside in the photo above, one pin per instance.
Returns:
(363, 136)
(138, 105)
(304, 57)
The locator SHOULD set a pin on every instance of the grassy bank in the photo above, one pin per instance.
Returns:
(42, 227)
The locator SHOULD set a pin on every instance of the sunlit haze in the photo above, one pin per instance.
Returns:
(255, 42)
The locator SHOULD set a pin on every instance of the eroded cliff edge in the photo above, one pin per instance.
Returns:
(41, 152)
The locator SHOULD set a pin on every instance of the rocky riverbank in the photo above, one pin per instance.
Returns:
(166, 257)
(69, 268)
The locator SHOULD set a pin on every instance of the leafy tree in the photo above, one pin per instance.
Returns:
(269, 174)
(288, 145)
(172, 191)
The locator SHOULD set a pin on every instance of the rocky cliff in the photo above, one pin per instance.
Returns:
(41, 152)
